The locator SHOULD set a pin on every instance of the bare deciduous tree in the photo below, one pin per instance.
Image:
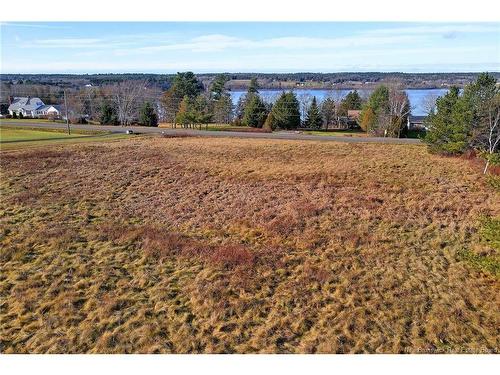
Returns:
(487, 136)
(126, 97)
(305, 100)
(429, 102)
(399, 109)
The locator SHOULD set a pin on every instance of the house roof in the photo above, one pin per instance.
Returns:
(26, 103)
(353, 113)
(417, 118)
(48, 106)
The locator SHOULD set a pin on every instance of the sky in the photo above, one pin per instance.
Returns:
(169, 47)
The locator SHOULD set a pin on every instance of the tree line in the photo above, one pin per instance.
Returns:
(188, 103)
(163, 81)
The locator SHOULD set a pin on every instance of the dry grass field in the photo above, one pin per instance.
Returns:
(187, 245)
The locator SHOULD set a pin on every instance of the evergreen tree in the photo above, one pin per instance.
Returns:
(375, 111)
(286, 112)
(351, 101)
(223, 109)
(108, 114)
(202, 110)
(186, 84)
(269, 123)
(313, 119)
(449, 125)
(253, 88)
(328, 111)
(195, 111)
(483, 99)
(239, 110)
(185, 115)
(255, 112)
(218, 86)
(148, 116)
(468, 121)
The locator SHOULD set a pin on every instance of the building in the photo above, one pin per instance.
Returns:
(49, 111)
(416, 123)
(32, 107)
(354, 114)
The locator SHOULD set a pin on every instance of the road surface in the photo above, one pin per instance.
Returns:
(215, 134)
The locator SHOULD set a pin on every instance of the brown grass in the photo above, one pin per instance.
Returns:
(188, 245)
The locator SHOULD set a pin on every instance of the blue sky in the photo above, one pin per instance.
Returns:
(248, 47)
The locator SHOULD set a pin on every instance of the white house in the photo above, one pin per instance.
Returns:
(33, 107)
(49, 110)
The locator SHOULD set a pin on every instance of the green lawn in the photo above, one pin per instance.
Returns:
(17, 135)
(11, 137)
(37, 120)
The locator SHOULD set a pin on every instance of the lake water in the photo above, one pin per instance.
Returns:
(418, 97)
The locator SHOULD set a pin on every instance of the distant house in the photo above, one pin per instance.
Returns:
(51, 110)
(416, 122)
(353, 114)
(32, 107)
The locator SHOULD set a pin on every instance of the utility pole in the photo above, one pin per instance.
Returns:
(66, 108)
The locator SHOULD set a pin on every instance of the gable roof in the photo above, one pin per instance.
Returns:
(26, 103)
(46, 107)
(413, 118)
(355, 113)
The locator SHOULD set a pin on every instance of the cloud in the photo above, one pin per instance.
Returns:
(453, 31)
(220, 42)
(30, 25)
(439, 29)
(69, 43)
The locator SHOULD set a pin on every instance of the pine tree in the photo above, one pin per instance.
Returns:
(254, 86)
(286, 112)
(148, 116)
(374, 116)
(255, 111)
(313, 119)
(184, 115)
(223, 109)
(218, 86)
(108, 114)
(202, 110)
(186, 84)
(449, 126)
(351, 101)
(328, 111)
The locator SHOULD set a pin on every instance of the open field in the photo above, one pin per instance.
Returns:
(217, 127)
(34, 120)
(12, 137)
(336, 133)
(235, 245)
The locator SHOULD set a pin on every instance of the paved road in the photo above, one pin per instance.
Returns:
(217, 134)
